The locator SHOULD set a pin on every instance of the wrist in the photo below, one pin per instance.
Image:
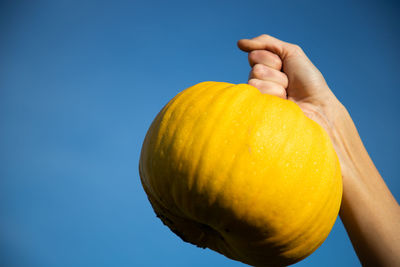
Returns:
(354, 159)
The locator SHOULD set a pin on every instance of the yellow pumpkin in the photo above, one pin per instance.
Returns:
(243, 173)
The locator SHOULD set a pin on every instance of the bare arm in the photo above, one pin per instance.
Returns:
(369, 211)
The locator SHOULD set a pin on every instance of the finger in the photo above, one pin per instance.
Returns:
(272, 44)
(268, 87)
(265, 57)
(265, 73)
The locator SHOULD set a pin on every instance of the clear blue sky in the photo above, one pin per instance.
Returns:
(81, 81)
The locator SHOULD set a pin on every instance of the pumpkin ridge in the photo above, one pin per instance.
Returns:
(165, 119)
(325, 200)
(235, 102)
(197, 186)
(320, 226)
(176, 187)
(291, 237)
(255, 104)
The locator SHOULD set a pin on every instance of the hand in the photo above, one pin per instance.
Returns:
(369, 211)
(283, 69)
(268, 53)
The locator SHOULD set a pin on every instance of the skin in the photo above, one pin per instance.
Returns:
(369, 212)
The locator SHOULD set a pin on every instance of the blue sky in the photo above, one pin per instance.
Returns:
(81, 81)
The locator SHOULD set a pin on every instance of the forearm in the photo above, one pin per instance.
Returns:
(369, 211)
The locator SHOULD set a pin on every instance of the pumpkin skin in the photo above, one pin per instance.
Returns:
(243, 173)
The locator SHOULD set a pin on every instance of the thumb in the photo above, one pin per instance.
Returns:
(267, 42)
(305, 80)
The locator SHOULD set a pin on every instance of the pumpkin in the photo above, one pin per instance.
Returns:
(243, 173)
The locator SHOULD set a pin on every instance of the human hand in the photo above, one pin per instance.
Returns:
(284, 70)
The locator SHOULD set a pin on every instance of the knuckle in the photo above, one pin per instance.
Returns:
(296, 48)
(254, 55)
(276, 61)
(285, 80)
(253, 82)
(267, 87)
(259, 70)
(266, 58)
(282, 93)
(278, 91)
(258, 67)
